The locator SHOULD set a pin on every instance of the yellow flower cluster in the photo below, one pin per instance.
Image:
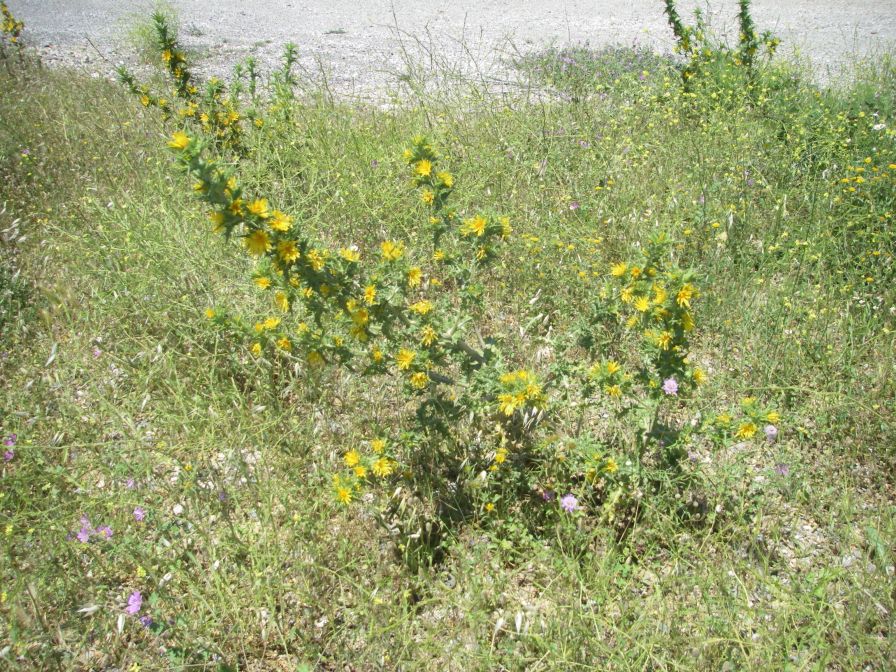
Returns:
(11, 28)
(520, 390)
(378, 462)
(747, 423)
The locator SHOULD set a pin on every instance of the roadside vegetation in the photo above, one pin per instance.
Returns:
(594, 375)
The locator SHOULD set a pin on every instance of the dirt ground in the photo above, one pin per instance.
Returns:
(363, 42)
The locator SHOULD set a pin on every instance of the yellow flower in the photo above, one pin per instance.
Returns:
(144, 100)
(361, 317)
(315, 359)
(427, 196)
(687, 322)
(419, 380)
(746, 430)
(280, 221)
(699, 377)
(613, 391)
(284, 344)
(209, 313)
(360, 471)
(179, 141)
(659, 294)
(475, 226)
(259, 208)
(257, 243)
(281, 301)
(428, 336)
(376, 355)
(256, 349)
(370, 295)
(612, 367)
(610, 466)
(383, 467)
(262, 281)
(288, 251)
(166, 55)
(685, 294)
(423, 168)
(405, 358)
(421, 307)
(642, 303)
(636, 272)
(316, 260)
(618, 270)
(351, 458)
(392, 251)
(490, 507)
(378, 445)
(350, 255)
(773, 417)
(446, 178)
(507, 403)
(236, 206)
(438, 255)
(271, 323)
(415, 275)
(664, 340)
(343, 494)
(627, 294)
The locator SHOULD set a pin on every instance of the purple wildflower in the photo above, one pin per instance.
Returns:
(146, 621)
(575, 205)
(97, 352)
(548, 495)
(670, 386)
(83, 535)
(771, 433)
(569, 503)
(135, 602)
(130, 484)
(8, 455)
(782, 469)
(10, 440)
(105, 531)
(139, 514)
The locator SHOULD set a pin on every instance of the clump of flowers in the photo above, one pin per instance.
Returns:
(749, 421)
(485, 432)
(10, 34)
(211, 109)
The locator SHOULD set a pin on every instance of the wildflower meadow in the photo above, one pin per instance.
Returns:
(592, 373)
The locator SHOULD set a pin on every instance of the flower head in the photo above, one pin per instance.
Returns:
(569, 503)
(135, 603)
(771, 433)
(139, 514)
(670, 386)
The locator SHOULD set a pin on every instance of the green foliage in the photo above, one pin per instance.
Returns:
(717, 66)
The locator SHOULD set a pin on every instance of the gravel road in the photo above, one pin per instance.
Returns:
(362, 41)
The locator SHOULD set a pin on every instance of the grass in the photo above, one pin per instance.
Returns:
(123, 396)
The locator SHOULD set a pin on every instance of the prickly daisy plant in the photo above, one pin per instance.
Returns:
(483, 431)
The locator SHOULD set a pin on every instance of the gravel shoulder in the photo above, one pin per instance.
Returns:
(362, 44)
